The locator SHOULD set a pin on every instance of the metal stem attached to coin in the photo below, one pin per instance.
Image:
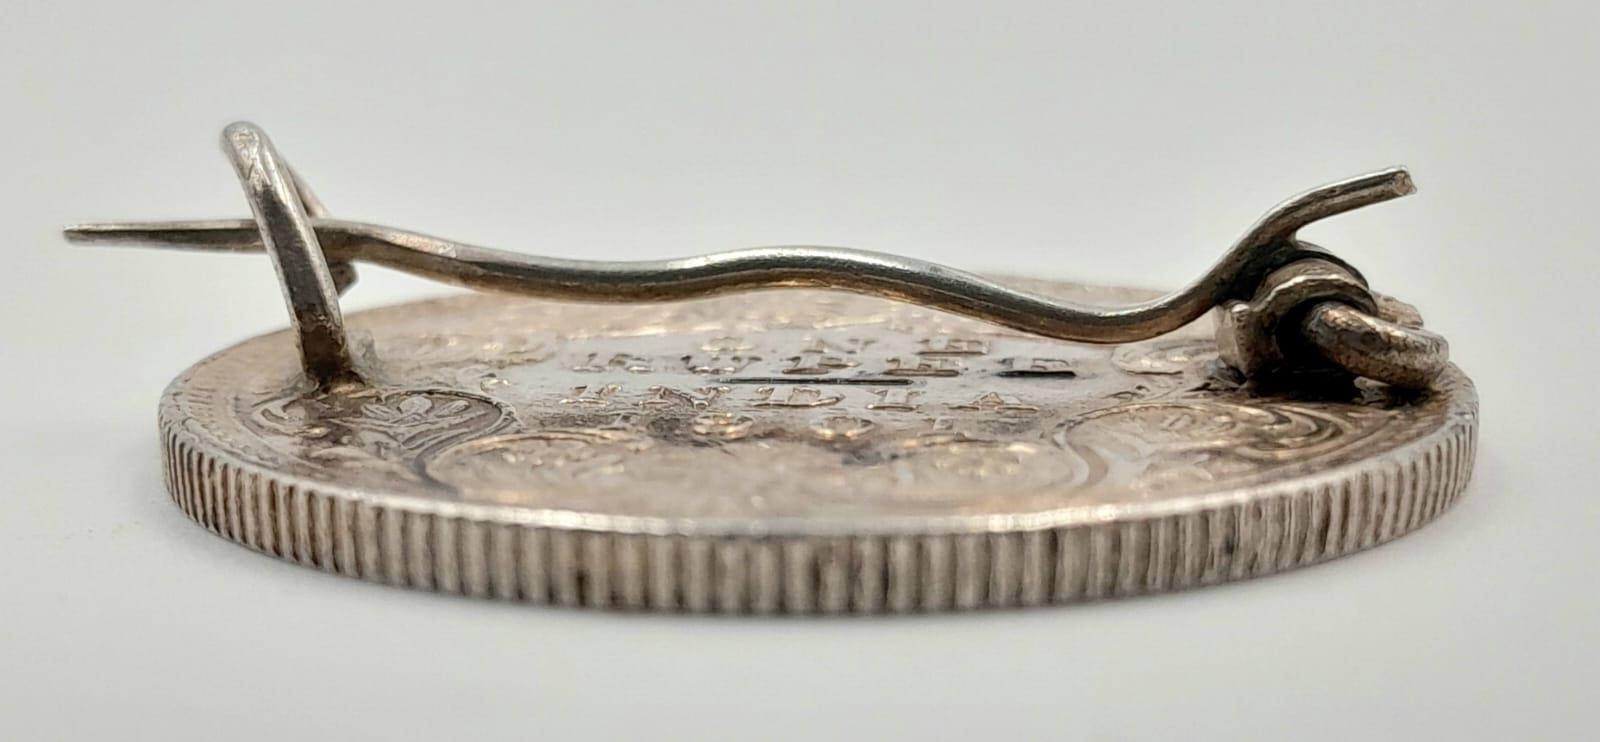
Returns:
(651, 435)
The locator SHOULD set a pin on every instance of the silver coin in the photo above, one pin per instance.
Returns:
(798, 451)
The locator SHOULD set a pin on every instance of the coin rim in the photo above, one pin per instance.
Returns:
(965, 561)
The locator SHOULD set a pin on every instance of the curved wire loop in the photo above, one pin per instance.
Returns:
(314, 255)
(286, 234)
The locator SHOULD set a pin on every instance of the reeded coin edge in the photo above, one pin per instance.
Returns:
(1258, 531)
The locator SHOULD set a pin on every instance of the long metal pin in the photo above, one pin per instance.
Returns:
(1269, 243)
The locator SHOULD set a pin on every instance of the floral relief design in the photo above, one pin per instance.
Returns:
(397, 427)
(1164, 356)
(1156, 446)
(506, 405)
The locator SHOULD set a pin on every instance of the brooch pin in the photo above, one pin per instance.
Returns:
(883, 435)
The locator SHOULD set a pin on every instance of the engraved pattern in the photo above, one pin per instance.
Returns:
(771, 453)
(1163, 355)
(370, 428)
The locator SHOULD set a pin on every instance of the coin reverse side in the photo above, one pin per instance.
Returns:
(795, 451)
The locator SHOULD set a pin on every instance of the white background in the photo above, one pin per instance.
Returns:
(1100, 141)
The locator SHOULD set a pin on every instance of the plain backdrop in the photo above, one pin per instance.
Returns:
(1112, 142)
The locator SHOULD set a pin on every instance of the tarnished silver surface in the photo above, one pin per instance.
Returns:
(814, 450)
(794, 452)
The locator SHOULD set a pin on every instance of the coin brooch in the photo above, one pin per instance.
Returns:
(806, 429)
